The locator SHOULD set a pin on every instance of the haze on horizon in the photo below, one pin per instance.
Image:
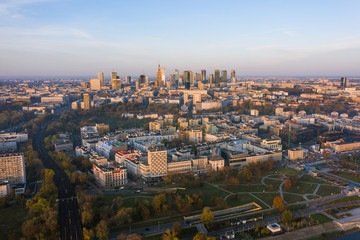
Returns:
(256, 38)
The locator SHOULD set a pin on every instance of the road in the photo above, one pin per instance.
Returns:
(70, 220)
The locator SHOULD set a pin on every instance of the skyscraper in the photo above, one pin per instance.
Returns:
(343, 83)
(113, 75)
(128, 79)
(217, 76)
(177, 77)
(142, 79)
(211, 78)
(203, 75)
(198, 77)
(223, 76)
(95, 84)
(186, 79)
(160, 76)
(86, 101)
(101, 78)
(232, 73)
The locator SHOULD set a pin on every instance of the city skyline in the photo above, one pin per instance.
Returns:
(65, 38)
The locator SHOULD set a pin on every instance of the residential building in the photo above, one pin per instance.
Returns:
(12, 168)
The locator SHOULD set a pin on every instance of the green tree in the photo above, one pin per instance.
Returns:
(207, 217)
(287, 217)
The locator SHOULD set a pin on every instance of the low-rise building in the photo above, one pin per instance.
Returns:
(295, 154)
(110, 175)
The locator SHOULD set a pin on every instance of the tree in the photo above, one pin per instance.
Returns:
(134, 236)
(278, 202)
(177, 228)
(202, 236)
(169, 235)
(88, 234)
(207, 217)
(102, 231)
(288, 183)
(287, 217)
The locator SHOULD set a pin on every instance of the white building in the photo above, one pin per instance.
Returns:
(110, 175)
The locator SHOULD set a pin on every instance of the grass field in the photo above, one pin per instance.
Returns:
(243, 198)
(267, 197)
(11, 221)
(321, 218)
(274, 182)
(288, 171)
(325, 190)
(302, 188)
(345, 199)
(348, 176)
(307, 178)
(206, 191)
(248, 188)
(291, 198)
(128, 198)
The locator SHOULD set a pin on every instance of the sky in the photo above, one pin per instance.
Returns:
(253, 37)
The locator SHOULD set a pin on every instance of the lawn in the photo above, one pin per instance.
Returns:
(241, 199)
(206, 191)
(321, 218)
(291, 198)
(274, 182)
(307, 178)
(267, 197)
(325, 190)
(248, 188)
(302, 188)
(345, 199)
(128, 198)
(289, 171)
(11, 222)
(348, 176)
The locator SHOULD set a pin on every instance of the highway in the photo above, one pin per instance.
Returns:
(69, 212)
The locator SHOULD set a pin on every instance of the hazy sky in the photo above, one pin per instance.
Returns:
(256, 38)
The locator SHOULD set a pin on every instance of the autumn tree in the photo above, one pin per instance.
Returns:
(88, 234)
(169, 235)
(288, 183)
(102, 231)
(278, 202)
(287, 217)
(177, 228)
(202, 236)
(207, 217)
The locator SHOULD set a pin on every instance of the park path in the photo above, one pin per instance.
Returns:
(216, 186)
(260, 200)
(316, 189)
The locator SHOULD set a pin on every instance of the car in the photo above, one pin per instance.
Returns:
(137, 191)
(122, 188)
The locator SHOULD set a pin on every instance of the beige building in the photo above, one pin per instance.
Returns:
(157, 160)
(343, 147)
(273, 143)
(4, 189)
(101, 78)
(195, 136)
(296, 154)
(95, 84)
(86, 101)
(110, 175)
(12, 168)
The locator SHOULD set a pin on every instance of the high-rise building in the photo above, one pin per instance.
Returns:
(142, 79)
(223, 76)
(343, 83)
(128, 79)
(160, 76)
(233, 73)
(101, 78)
(177, 76)
(86, 98)
(188, 79)
(211, 78)
(95, 84)
(116, 84)
(113, 75)
(217, 76)
(157, 160)
(203, 75)
(198, 77)
(12, 168)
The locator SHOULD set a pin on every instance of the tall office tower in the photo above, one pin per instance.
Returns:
(142, 80)
(160, 76)
(211, 78)
(177, 77)
(198, 77)
(95, 84)
(192, 77)
(232, 73)
(343, 83)
(203, 75)
(217, 76)
(223, 76)
(12, 168)
(157, 160)
(186, 79)
(113, 75)
(86, 98)
(147, 81)
(101, 78)
(116, 84)
(128, 79)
